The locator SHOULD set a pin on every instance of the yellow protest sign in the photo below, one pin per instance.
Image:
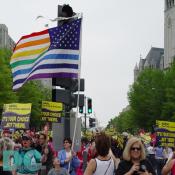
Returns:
(16, 115)
(165, 133)
(52, 106)
(51, 111)
(170, 126)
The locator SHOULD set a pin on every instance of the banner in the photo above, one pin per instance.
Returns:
(51, 111)
(165, 133)
(170, 126)
(16, 115)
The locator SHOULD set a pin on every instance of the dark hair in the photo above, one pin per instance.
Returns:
(92, 140)
(68, 139)
(84, 140)
(36, 136)
(26, 137)
(102, 144)
(44, 135)
(68, 10)
(151, 144)
(50, 139)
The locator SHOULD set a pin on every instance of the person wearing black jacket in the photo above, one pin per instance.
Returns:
(134, 160)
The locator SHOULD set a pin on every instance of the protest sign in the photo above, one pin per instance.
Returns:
(16, 115)
(165, 133)
(51, 111)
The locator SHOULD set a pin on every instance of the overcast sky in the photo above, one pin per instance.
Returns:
(115, 33)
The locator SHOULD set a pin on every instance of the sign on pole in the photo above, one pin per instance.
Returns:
(51, 111)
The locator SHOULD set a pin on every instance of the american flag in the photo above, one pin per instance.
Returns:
(54, 52)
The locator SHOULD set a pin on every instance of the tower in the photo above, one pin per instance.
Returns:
(3, 35)
(5, 40)
(169, 32)
(136, 72)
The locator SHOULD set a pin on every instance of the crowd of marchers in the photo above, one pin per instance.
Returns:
(35, 155)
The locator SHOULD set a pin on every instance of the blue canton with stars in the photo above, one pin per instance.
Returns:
(66, 36)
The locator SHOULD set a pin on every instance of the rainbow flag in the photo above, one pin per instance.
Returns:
(54, 52)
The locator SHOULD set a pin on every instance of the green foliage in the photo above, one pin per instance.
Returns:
(151, 98)
(146, 97)
(124, 122)
(168, 111)
(32, 92)
(6, 94)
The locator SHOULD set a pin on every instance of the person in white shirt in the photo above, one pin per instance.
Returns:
(167, 152)
(103, 163)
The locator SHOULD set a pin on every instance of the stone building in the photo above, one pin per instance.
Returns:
(158, 57)
(169, 32)
(5, 40)
(154, 59)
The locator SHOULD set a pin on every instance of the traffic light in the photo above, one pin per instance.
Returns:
(69, 84)
(65, 11)
(81, 109)
(89, 104)
(91, 122)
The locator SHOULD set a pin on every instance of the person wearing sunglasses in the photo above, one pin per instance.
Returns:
(68, 158)
(134, 160)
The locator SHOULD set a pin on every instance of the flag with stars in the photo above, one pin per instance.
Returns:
(51, 53)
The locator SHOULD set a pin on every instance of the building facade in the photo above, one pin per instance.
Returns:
(154, 59)
(169, 32)
(5, 40)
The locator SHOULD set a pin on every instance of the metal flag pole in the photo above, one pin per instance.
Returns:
(79, 75)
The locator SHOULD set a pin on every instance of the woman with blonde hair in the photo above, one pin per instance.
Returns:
(134, 159)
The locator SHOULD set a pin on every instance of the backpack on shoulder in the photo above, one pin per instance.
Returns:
(27, 162)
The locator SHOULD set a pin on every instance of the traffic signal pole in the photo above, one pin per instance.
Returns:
(85, 128)
(88, 110)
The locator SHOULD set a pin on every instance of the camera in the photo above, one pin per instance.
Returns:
(142, 168)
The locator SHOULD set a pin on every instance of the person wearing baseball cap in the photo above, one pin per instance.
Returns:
(30, 158)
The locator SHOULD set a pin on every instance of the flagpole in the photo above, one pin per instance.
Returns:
(79, 75)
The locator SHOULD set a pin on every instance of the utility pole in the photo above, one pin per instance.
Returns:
(69, 85)
(67, 107)
(85, 128)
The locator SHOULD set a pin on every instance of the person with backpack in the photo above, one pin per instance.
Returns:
(28, 159)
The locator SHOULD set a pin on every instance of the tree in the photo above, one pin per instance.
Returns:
(124, 122)
(6, 93)
(146, 97)
(168, 110)
(32, 92)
